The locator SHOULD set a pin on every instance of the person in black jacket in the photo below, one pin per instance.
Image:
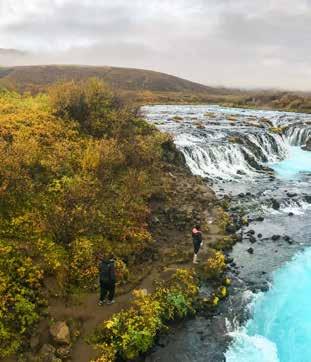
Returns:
(107, 280)
(197, 242)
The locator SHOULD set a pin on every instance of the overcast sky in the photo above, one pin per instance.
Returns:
(240, 43)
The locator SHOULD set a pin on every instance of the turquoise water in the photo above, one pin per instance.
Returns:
(281, 326)
(298, 161)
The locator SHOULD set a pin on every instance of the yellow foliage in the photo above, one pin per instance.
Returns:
(215, 265)
(77, 171)
(131, 332)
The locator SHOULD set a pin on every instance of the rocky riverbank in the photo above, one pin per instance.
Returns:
(254, 162)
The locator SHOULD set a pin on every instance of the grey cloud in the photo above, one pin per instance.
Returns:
(258, 43)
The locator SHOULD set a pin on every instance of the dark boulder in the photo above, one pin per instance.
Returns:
(252, 239)
(231, 229)
(250, 250)
(260, 219)
(275, 204)
(291, 194)
(308, 199)
(276, 237)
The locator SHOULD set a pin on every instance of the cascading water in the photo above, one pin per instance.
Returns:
(244, 153)
(219, 145)
(298, 135)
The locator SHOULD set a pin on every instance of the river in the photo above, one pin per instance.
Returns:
(255, 157)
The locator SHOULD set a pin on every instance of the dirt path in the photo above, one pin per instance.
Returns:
(190, 201)
(91, 315)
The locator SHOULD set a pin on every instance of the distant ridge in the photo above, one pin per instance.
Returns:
(130, 79)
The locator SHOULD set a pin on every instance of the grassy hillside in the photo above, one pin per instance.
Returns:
(145, 86)
(35, 78)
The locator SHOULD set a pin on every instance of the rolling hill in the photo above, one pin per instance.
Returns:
(38, 77)
(147, 86)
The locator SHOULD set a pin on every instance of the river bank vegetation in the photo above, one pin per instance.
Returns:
(77, 169)
(80, 174)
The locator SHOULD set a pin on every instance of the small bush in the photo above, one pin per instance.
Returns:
(132, 332)
(21, 300)
(215, 265)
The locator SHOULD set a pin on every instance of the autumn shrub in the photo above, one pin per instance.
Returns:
(215, 265)
(132, 332)
(21, 299)
(90, 103)
(78, 168)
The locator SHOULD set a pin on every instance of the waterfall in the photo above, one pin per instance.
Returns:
(227, 143)
(222, 159)
(298, 135)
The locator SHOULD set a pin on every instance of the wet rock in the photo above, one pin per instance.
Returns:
(251, 232)
(60, 333)
(264, 288)
(308, 199)
(291, 194)
(259, 235)
(231, 229)
(260, 219)
(252, 239)
(290, 214)
(275, 204)
(288, 239)
(250, 250)
(276, 237)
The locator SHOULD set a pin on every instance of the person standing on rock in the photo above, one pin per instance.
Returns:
(107, 280)
(197, 242)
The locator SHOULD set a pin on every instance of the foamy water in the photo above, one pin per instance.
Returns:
(230, 146)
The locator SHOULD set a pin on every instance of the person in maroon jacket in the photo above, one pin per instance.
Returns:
(197, 242)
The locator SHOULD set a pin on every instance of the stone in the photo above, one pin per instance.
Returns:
(250, 250)
(260, 218)
(231, 229)
(291, 194)
(259, 236)
(275, 204)
(276, 237)
(60, 333)
(308, 199)
(63, 352)
(47, 353)
(252, 239)
(290, 214)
